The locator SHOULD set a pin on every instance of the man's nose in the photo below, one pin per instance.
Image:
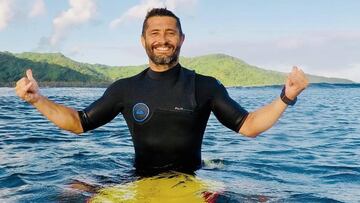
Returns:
(162, 38)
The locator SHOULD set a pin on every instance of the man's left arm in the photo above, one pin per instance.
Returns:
(265, 117)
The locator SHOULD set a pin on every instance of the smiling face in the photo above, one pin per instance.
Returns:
(162, 41)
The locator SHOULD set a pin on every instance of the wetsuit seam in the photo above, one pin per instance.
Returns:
(84, 120)
(242, 120)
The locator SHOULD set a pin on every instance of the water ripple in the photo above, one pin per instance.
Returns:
(311, 155)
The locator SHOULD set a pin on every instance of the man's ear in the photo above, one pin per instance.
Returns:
(143, 41)
(182, 39)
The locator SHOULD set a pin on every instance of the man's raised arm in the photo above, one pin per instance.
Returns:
(62, 116)
(265, 117)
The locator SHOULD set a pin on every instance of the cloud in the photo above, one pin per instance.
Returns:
(328, 53)
(80, 12)
(6, 13)
(177, 4)
(139, 11)
(38, 9)
(45, 46)
(352, 72)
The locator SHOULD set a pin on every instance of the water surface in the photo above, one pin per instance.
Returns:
(311, 155)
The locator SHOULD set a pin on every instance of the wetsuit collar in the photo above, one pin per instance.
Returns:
(168, 74)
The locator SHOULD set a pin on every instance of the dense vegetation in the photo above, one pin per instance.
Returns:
(54, 69)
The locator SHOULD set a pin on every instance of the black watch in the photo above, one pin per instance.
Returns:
(286, 100)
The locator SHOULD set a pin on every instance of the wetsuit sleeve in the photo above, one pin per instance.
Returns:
(102, 110)
(226, 110)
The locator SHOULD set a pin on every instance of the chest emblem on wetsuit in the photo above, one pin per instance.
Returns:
(140, 112)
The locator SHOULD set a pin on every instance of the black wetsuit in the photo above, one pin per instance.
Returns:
(166, 113)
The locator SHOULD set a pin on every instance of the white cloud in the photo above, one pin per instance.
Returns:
(38, 9)
(352, 72)
(139, 11)
(80, 12)
(327, 53)
(6, 13)
(177, 4)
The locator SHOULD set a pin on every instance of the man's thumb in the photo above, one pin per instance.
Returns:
(29, 74)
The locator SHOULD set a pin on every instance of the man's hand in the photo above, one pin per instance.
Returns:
(265, 117)
(295, 83)
(27, 88)
(64, 117)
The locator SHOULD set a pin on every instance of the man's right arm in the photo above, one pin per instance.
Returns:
(64, 117)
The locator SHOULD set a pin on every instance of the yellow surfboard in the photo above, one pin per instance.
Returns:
(169, 187)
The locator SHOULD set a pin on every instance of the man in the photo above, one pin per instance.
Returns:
(166, 106)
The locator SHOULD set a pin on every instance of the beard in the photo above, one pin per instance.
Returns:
(162, 59)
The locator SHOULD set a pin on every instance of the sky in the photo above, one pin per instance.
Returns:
(322, 37)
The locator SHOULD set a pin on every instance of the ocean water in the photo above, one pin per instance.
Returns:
(311, 155)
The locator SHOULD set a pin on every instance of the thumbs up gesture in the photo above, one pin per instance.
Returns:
(27, 88)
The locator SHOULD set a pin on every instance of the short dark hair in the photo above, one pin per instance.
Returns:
(161, 12)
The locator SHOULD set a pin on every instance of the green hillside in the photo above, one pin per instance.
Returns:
(115, 73)
(13, 68)
(61, 60)
(54, 69)
(232, 71)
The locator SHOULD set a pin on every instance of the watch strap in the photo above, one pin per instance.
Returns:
(286, 100)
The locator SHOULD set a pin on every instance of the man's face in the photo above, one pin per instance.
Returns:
(162, 40)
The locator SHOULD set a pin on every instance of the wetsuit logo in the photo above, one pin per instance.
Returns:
(140, 112)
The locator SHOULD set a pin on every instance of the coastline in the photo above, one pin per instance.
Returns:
(106, 84)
